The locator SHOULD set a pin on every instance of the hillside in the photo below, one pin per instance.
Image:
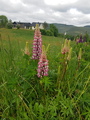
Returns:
(73, 30)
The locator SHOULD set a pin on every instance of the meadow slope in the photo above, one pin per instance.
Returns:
(62, 95)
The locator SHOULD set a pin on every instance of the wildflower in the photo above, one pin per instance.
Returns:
(27, 49)
(77, 40)
(42, 65)
(80, 54)
(66, 47)
(81, 39)
(69, 54)
(65, 50)
(37, 44)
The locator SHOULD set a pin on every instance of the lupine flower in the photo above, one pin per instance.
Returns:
(66, 47)
(77, 40)
(69, 54)
(42, 65)
(80, 54)
(37, 44)
(80, 39)
(26, 51)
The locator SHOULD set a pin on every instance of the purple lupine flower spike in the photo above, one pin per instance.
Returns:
(37, 44)
(42, 66)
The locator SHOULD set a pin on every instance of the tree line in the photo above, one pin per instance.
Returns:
(4, 22)
(49, 29)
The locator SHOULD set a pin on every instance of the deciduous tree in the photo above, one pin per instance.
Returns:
(45, 24)
(3, 21)
(54, 30)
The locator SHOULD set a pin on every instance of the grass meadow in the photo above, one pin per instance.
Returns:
(62, 95)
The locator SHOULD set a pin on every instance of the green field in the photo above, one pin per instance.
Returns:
(62, 95)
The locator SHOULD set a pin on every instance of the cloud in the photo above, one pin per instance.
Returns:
(80, 5)
(74, 12)
(83, 6)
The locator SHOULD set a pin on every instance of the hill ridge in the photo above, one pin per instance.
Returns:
(71, 29)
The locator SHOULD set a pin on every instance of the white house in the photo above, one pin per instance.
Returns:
(34, 25)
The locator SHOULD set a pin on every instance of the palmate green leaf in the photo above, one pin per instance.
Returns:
(46, 82)
(39, 111)
(53, 109)
(67, 106)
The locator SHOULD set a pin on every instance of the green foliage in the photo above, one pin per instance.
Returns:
(43, 31)
(45, 24)
(69, 37)
(54, 30)
(18, 26)
(63, 95)
(46, 32)
(3, 21)
(86, 37)
(9, 24)
(61, 35)
(49, 33)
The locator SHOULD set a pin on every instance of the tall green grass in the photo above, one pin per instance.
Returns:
(63, 95)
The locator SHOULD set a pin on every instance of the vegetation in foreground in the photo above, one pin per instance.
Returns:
(62, 95)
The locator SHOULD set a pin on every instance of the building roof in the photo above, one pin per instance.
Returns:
(22, 23)
(27, 24)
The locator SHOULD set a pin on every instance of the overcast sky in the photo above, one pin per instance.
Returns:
(72, 12)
